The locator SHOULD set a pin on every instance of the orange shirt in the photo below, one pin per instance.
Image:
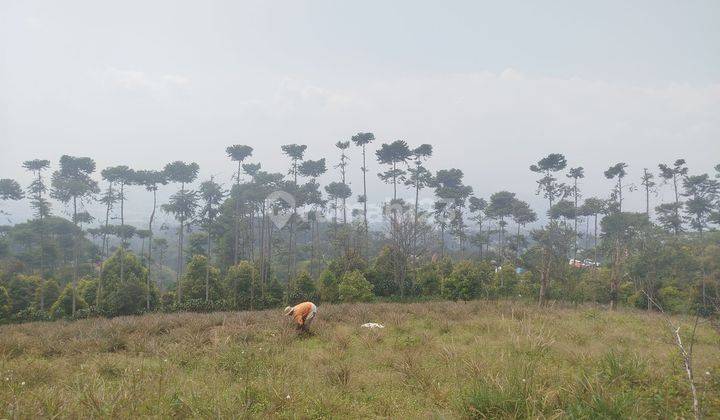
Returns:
(301, 311)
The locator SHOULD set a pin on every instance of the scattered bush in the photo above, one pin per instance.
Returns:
(355, 288)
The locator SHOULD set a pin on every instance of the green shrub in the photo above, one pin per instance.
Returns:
(5, 304)
(22, 290)
(193, 281)
(429, 280)
(241, 282)
(302, 289)
(673, 299)
(463, 283)
(49, 291)
(328, 283)
(129, 295)
(355, 288)
(63, 305)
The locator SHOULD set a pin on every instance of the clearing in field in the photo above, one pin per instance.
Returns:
(475, 359)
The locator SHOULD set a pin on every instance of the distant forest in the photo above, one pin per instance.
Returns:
(271, 239)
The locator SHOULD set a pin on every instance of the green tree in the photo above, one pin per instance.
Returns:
(419, 178)
(521, 214)
(39, 204)
(620, 229)
(648, 183)
(237, 153)
(354, 287)
(463, 283)
(500, 208)
(5, 304)
(313, 196)
(702, 193)
(618, 172)
(302, 288)
(576, 174)
(594, 206)
(22, 290)
(48, 292)
(548, 184)
(449, 188)
(67, 303)
(478, 207)
(124, 176)
(393, 154)
(212, 195)
(126, 296)
(151, 180)
(241, 281)
(196, 278)
(362, 140)
(328, 286)
(295, 152)
(182, 205)
(548, 254)
(671, 213)
(72, 184)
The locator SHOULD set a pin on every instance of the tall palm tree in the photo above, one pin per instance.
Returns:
(72, 183)
(182, 205)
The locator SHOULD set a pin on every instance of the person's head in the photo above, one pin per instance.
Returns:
(288, 310)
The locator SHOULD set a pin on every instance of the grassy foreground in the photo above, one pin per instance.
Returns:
(445, 360)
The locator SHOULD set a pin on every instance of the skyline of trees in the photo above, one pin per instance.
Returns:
(238, 223)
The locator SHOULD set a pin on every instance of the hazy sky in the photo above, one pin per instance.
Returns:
(492, 85)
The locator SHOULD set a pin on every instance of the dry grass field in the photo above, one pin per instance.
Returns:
(442, 360)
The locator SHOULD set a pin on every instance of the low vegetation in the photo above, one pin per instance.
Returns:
(478, 359)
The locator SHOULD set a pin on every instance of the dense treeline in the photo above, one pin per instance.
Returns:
(272, 238)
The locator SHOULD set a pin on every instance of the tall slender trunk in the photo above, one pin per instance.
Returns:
(76, 246)
(365, 221)
(209, 259)
(575, 189)
(178, 274)
(647, 194)
(517, 248)
(237, 216)
(122, 232)
(677, 205)
(150, 241)
(595, 243)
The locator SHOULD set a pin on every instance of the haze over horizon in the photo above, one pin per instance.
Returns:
(493, 87)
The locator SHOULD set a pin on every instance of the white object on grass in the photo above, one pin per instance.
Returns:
(372, 325)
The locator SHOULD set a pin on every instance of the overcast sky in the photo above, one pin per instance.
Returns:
(492, 85)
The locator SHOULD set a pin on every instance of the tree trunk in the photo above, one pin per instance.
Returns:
(150, 241)
(77, 256)
(178, 275)
(237, 216)
(122, 232)
(365, 221)
(575, 219)
(207, 265)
